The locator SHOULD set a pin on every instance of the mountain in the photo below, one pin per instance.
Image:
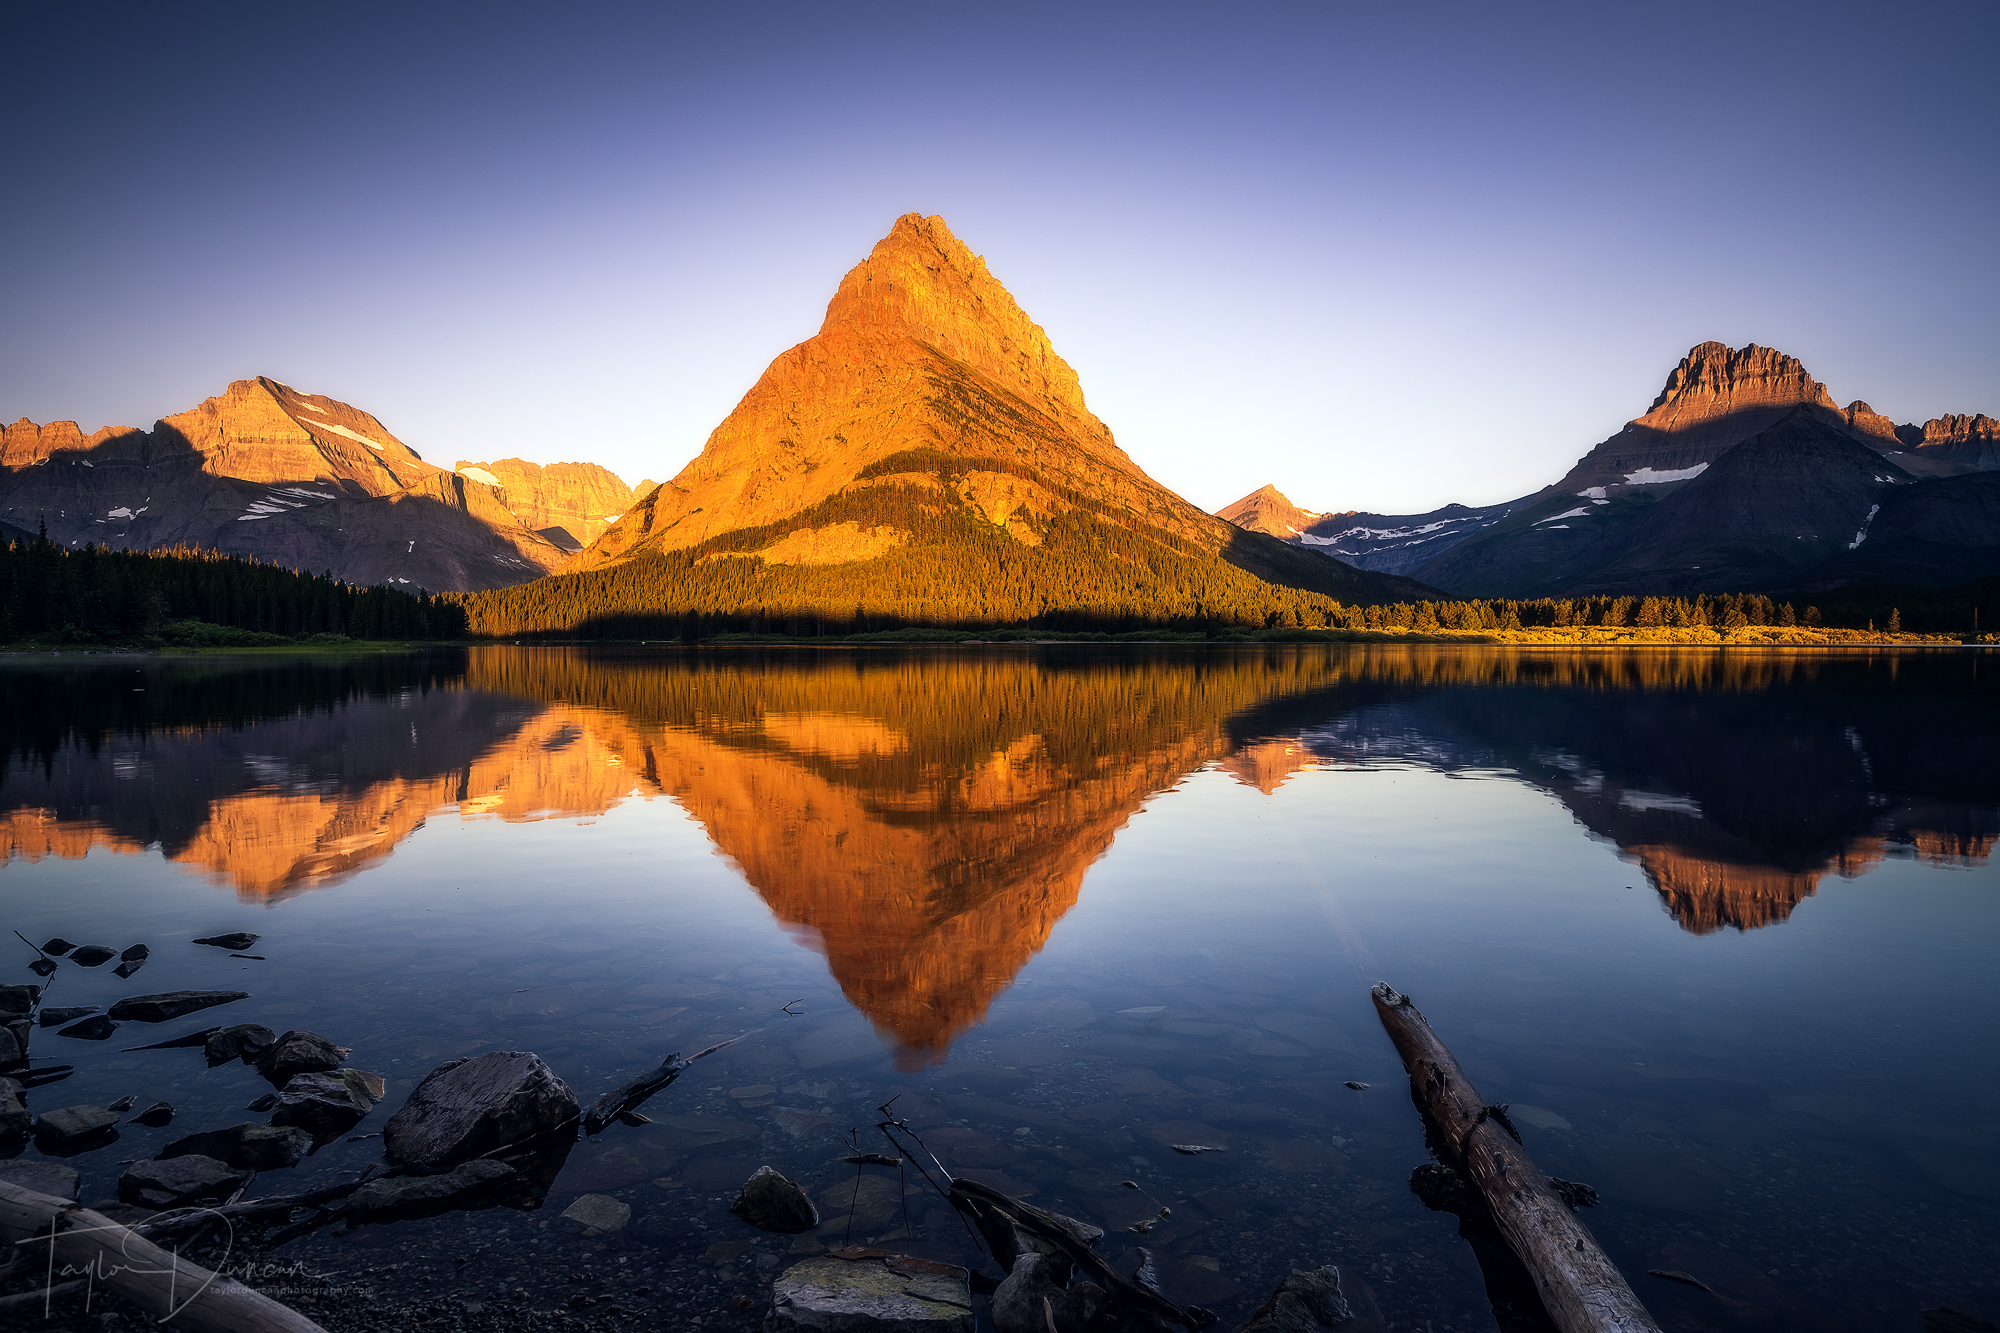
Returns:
(1269, 512)
(1742, 474)
(930, 451)
(570, 504)
(287, 477)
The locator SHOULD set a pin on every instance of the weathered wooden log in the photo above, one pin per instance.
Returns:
(70, 1240)
(1582, 1289)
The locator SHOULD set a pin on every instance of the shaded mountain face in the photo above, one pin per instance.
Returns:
(266, 471)
(1750, 525)
(570, 504)
(928, 414)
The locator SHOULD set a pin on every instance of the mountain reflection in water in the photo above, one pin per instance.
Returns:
(924, 818)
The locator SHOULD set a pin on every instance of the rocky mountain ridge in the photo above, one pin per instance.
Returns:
(1654, 509)
(287, 477)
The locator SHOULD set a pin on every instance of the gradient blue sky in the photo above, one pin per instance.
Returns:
(1383, 256)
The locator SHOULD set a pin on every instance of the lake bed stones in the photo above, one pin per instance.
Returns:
(466, 1108)
(172, 1182)
(43, 1177)
(855, 1290)
(770, 1202)
(172, 1004)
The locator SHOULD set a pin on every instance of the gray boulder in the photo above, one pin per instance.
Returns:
(1038, 1287)
(466, 1108)
(18, 1001)
(770, 1202)
(1308, 1301)
(245, 1042)
(13, 1046)
(327, 1104)
(299, 1052)
(474, 1185)
(175, 1181)
(172, 1004)
(15, 1118)
(855, 1290)
(72, 1125)
(258, 1147)
(42, 1177)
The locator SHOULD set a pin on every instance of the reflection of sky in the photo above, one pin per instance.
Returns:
(1299, 231)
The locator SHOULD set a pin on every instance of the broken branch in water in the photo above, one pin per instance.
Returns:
(614, 1105)
(1582, 1289)
(969, 1196)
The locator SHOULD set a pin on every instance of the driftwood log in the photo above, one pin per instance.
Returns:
(68, 1239)
(1582, 1289)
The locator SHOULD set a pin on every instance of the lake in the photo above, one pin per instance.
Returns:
(1720, 926)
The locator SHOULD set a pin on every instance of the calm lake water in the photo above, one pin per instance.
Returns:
(1721, 927)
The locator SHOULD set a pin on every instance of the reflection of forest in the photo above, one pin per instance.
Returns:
(925, 818)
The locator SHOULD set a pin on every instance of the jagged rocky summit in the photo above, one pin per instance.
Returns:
(926, 375)
(1743, 474)
(296, 479)
(570, 504)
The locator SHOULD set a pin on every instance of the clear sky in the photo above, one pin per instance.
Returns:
(1385, 256)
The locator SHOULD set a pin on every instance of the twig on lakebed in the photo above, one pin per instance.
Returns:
(629, 1098)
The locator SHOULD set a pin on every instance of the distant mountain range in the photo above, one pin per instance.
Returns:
(1743, 475)
(928, 456)
(305, 481)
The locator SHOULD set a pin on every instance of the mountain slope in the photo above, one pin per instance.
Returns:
(930, 418)
(266, 471)
(1267, 511)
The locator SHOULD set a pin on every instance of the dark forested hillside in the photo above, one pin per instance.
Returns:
(91, 594)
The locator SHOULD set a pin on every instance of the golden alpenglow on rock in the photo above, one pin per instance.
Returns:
(936, 445)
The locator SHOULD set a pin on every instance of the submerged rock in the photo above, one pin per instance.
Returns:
(55, 1017)
(1306, 1302)
(155, 1116)
(172, 1004)
(770, 1202)
(92, 955)
(596, 1214)
(464, 1108)
(298, 1052)
(51, 1178)
(855, 1290)
(58, 946)
(476, 1184)
(90, 1029)
(173, 1181)
(258, 1147)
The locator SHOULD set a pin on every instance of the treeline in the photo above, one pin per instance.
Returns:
(92, 594)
